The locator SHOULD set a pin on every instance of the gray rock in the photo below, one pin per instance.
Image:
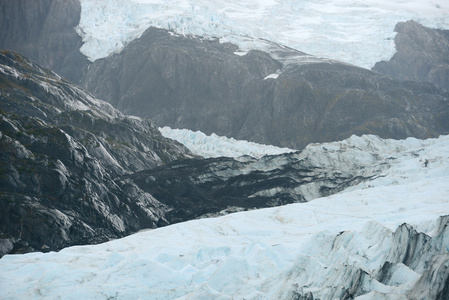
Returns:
(195, 188)
(180, 81)
(210, 187)
(187, 82)
(43, 30)
(61, 152)
(422, 55)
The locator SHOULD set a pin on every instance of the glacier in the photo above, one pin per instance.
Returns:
(219, 146)
(354, 243)
(360, 32)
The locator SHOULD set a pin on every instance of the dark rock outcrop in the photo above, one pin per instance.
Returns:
(422, 55)
(180, 81)
(43, 30)
(61, 152)
(186, 82)
(195, 188)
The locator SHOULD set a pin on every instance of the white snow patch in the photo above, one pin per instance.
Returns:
(240, 53)
(10, 71)
(107, 158)
(216, 146)
(271, 76)
(353, 31)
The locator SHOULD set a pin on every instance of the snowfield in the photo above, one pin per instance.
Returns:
(359, 32)
(276, 253)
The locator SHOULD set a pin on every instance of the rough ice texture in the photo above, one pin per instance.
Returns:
(350, 244)
(216, 146)
(358, 32)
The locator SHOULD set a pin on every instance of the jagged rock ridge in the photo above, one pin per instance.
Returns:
(196, 188)
(61, 150)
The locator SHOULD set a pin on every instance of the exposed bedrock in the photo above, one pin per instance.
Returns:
(60, 153)
(422, 55)
(186, 82)
(43, 30)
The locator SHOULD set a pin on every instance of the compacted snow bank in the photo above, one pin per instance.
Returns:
(216, 146)
(357, 31)
(355, 242)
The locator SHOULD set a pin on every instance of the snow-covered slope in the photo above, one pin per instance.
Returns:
(216, 146)
(357, 31)
(354, 243)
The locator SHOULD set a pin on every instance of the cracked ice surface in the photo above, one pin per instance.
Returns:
(359, 32)
(263, 254)
(216, 146)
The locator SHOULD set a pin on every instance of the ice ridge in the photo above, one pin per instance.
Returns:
(216, 146)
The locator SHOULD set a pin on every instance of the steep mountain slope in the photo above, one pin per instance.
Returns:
(61, 150)
(187, 82)
(422, 55)
(385, 239)
(43, 30)
(167, 73)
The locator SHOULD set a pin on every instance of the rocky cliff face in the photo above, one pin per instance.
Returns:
(43, 30)
(61, 151)
(422, 55)
(186, 82)
(180, 81)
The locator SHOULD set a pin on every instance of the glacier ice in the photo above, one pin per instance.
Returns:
(215, 146)
(325, 247)
(359, 32)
